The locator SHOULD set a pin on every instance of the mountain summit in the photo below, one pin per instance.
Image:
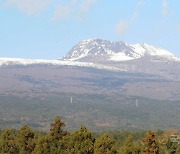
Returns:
(114, 56)
(113, 51)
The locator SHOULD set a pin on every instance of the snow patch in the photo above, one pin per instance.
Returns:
(145, 49)
(120, 57)
(26, 62)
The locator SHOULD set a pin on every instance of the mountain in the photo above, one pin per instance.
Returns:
(101, 84)
(115, 56)
(103, 50)
(138, 58)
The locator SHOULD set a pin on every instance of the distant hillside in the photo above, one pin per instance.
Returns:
(137, 93)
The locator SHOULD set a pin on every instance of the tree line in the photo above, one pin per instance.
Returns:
(59, 141)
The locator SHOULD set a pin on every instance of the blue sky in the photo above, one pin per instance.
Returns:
(48, 29)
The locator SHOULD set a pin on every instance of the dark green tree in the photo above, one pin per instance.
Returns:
(56, 131)
(150, 144)
(130, 147)
(57, 135)
(104, 145)
(8, 143)
(26, 140)
(43, 146)
(81, 142)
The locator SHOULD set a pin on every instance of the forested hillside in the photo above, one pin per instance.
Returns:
(59, 141)
(97, 112)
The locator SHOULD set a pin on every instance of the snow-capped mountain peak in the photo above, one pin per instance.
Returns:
(113, 51)
(145, 49)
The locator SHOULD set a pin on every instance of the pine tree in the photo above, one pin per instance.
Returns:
(81, 142)
(56, 131)
(150, 145)
(130, 147)
(57, 135)
(43, 146)
(104, 145)
(26, 140)
(8, 142)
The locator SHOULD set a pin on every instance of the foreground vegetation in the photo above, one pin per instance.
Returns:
(83, 141)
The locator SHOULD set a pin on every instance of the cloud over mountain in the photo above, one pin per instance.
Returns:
(30, 7)
(124, 25)
(63, 10)
(165, 10)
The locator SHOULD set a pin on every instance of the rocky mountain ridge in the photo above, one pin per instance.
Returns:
(114, 51)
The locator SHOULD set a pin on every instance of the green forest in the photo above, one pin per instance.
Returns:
(59, 141)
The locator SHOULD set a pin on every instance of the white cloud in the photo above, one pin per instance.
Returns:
(77, 8)
(87, 4)
(165, 10)
(140, 3)
(64, 9)
(123, 26)
(30, 7)
(61, 12)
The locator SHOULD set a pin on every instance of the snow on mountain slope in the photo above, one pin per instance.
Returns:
(114, 51)
(98, 53)
(25, 62)
(145, 49)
